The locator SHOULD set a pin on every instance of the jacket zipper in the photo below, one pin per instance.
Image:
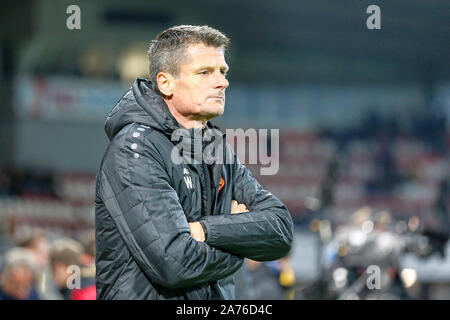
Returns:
(207, 188)
(214, 186)
(215, 202)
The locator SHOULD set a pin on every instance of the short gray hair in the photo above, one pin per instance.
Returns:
(167, 50)
(18, 257)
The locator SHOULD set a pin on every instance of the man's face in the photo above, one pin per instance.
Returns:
(18, 282)
(199, 89)
(60, 275)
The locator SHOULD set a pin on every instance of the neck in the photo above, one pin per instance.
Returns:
(183, 121)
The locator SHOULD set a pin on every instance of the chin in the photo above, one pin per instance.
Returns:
(220, 111)
(214, 111)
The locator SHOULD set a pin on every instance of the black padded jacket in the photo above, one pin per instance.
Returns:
(144, 201)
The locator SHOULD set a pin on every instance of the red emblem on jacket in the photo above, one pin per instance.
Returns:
(222, 183)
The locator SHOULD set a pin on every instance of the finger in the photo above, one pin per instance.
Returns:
(234, 205)
(239, 208)
(243, 208)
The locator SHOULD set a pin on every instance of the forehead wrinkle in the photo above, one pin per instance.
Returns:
(209, 63)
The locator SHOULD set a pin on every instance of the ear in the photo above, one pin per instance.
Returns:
(165, 83)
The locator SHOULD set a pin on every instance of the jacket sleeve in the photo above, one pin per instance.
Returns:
(147, 212)
(264, 233)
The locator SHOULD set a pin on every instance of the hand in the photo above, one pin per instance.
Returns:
(197, 231)
(237, 208)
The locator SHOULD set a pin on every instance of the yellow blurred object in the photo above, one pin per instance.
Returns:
(133, 62)
(289, 295)
(287, 277)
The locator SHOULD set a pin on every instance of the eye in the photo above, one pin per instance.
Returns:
(204, 72)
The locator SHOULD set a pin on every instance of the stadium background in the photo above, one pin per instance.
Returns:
(363, 118)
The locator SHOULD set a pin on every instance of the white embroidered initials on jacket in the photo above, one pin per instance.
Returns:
(187, 179)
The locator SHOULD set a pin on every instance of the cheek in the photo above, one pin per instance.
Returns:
(182, 98)
(192, 97)
(195, 99)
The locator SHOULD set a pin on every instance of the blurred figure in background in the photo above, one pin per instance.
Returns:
(65, 253)
(87, 239)
(287, 278)
(17, 276)
(87, 264)
(35, 241)
(272, 280)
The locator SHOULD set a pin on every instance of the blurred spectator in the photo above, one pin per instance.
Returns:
(17, 277)
(287, 278)
(261, 281)
(88, 289)
(65, 253)
(87, 239)
(35, 241)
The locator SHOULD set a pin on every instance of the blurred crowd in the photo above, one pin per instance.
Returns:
(37, 267)
(384, 184)
(399, 165)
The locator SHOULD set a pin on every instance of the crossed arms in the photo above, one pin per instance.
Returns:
(149, 216)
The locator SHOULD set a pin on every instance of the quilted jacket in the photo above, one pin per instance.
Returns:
(144, 201)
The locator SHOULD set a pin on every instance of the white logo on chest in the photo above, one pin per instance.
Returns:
(187, 179)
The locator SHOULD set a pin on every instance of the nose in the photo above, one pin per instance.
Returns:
(221, 81)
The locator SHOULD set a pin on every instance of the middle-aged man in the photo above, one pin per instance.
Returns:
(167, 229)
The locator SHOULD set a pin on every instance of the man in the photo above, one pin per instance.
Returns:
(17, 276)
(65, 253)
(164, 229)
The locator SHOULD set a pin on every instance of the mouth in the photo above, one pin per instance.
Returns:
(218, 97)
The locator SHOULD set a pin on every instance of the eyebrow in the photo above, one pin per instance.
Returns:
(209, 68)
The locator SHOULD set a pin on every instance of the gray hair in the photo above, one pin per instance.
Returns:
(18, 257)
(167, 51)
